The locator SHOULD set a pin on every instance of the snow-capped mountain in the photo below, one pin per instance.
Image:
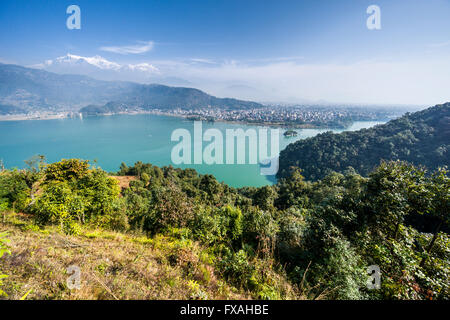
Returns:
(77, 61)
(25, 90)
(100, 68)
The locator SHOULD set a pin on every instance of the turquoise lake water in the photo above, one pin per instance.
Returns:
(129, 138)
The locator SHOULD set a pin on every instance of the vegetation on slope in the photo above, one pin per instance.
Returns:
(147, 97)
(421, 138)
(38, 90)
(293, 240)
(112, 265)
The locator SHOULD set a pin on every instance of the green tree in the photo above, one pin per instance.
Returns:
(3, 250)
(439, 195)
(67, 169)
(14, 190)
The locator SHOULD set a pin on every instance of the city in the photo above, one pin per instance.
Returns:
(289, 116)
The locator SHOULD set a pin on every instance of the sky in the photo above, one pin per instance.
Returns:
(269, 51)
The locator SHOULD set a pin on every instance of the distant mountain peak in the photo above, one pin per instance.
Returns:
(97, 66)
(32, 90)
(96, 61)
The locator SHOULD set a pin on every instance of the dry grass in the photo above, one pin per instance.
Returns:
(124, 181)
(113, 266)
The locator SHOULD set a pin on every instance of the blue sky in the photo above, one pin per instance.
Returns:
(217, 45)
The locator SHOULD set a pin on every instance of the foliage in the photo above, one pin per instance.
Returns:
(3, 250)
(66, 170)
(237, 268)
(72, 193)
(58, 204)
(14, 191)
(421, 138)
(319, 237)
(343, 271)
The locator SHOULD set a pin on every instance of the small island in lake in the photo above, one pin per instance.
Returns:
(290, 133)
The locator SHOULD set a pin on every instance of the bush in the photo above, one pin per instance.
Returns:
(74, 194)
(260, 230)
(292, 226)
(168, 208)
(208, 226)
(237, 269)
(343, 272)
(3, 250)
(234, 222)
(59, 205)
(115, 216)
(66, 170)
(14, 191)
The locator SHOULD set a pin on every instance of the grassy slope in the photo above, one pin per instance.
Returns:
(113, 265)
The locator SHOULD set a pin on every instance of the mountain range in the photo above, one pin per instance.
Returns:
(100, 68)
(24, 90)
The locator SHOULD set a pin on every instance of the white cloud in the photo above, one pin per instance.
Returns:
(277, 59)
(71, 60)
(145, 67)
(418, 82)
(74, 60)
(439, 45)
(5, 61)
(100, 68)
(142, 47)
(423, 82)
(200, 60)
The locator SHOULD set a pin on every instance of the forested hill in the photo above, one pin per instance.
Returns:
(168, 233)
(24, 90)
(422, 138)
(157, 96)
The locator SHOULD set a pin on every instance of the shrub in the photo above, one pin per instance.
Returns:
(74, 194)
(3, 250)
(292, 227)
(343, 272)
(168, 208)
(59, 205)
(234, 222)
(260, 230)
(14, 191)
(237, 269)
(67, 169)
(208, 226)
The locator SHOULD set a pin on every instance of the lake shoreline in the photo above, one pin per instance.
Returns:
(122, 138)
(70, 115)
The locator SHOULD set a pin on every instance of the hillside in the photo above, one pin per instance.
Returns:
(166, 233)
(4, 110)
(34, 90)
(26, 89)
(147, 97)
(421, 138)
(114, 265)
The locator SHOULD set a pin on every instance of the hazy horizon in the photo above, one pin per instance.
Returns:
(299, 102)
(318, 52)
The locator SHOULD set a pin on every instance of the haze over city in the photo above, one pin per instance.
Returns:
(293, 51)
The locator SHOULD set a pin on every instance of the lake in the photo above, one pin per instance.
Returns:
(111, 140)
